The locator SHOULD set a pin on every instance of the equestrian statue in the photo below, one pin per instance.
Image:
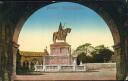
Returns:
(61, 33)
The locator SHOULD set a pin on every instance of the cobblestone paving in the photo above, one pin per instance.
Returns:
(102, 74)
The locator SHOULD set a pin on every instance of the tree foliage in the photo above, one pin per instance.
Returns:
(85, 48)
(84, 58)
(102, 54)
(98, 54)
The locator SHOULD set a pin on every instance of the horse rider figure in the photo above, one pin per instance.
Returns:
(61, 33)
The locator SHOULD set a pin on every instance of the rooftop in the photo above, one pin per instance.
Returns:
(30, 53)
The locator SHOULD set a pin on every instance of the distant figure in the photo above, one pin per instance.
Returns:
(61, 34)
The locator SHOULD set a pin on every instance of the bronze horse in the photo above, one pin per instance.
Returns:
(61, 34)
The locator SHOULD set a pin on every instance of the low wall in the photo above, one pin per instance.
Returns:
(93, 66)
(84, 67)
(59, 68)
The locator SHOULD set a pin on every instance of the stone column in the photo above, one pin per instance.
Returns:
(120, 61)
(21, 64)
(0, 64)
(126, 51)
(29, 66)
(15, 49)
(126, 42)
(3, 53)
(44, 60)
(0, 51)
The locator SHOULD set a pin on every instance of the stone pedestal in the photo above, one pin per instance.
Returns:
(60, 49)
(60, 53)
(15, 49)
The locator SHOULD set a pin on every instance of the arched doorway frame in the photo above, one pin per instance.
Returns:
(100, 10)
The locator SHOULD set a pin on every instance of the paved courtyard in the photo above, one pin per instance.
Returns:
(102, 74)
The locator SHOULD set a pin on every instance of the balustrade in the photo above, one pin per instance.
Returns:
(57, 68)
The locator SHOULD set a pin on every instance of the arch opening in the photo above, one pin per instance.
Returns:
(103, 14)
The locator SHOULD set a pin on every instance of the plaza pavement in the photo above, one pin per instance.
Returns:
(101, 74)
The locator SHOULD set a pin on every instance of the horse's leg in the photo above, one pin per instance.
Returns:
(54, 37)
(55, 40)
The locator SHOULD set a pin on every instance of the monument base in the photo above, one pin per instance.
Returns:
(57, 60)
(60, 53)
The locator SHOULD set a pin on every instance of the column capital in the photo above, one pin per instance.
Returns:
(15, 45)
(117, 46)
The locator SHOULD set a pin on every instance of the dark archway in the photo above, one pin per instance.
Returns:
(113, 13)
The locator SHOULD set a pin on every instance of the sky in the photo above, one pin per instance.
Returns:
(87, 27)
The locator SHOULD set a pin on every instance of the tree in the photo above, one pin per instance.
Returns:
(84, 58)
(102, 54)
(85, 48)
(82, 53)
(89, 54)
